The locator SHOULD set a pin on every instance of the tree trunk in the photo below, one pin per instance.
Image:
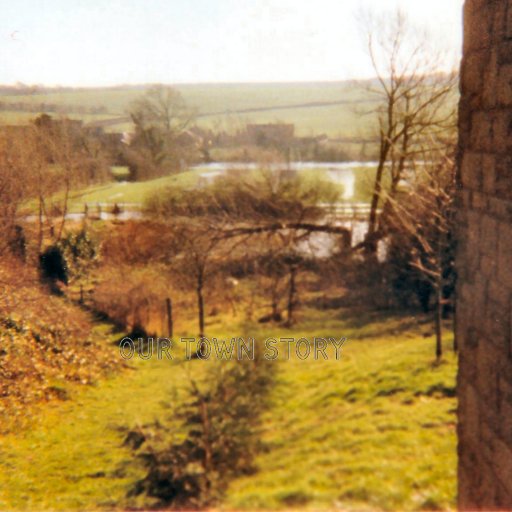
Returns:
(200, 305)
(275, 299)
(377, 189)
(439, 322)
(207, 443)
(454, 325)
(275, 309)
(170, 325)
(64, 211)
(40, 228)
(291, 295)
(439, 286)
(388, 211)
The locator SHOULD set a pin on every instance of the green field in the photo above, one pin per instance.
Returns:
(136, 193)
(343, 120)
(373, 431)
(129, 192)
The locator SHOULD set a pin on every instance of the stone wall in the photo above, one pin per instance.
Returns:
(485, 258)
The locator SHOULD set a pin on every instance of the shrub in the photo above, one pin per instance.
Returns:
(220, 439)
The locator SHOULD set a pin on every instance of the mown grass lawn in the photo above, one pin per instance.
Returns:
(375, 430)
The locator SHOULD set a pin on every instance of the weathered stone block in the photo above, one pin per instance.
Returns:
(488, 266)
(499, 294)
(471, 170)
(472, 74)
(502, 131)
(479, 201)
(471, 421)
(505, 254)
(477, 26)
(488, 235)
(503, 463)
(506, 413)
(497, 327)
(505, 52)
(508, 20)
(482, 131)
(490, 79)
(503, 90)
(499, 28)
(466, 197)
(500, 209)
(489, 173)
(503, 188)
(464, 122)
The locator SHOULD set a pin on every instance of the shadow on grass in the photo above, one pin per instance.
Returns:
(382, 323)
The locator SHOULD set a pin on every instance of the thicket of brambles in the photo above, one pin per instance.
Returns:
(46, 341)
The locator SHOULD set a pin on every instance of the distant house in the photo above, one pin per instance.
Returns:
(270, 134)
(189, 138)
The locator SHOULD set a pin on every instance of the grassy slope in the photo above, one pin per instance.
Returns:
(40, 354)
(374, 430)
(128, 192)
(209, 98)
(72, 457)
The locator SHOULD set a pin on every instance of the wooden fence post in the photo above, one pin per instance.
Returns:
(168, 304)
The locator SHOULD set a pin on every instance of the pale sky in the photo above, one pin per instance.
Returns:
(108, 42)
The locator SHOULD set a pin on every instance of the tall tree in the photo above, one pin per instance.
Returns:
(422, 227)
(65, 156)
(14, 183)
(161, 118)
(415, 97)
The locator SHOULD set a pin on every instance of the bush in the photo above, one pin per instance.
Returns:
(220, 441)
(53, 265)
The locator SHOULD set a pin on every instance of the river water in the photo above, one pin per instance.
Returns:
(319, 245)
(341, 173)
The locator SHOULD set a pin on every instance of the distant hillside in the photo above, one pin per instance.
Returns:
(333, 108)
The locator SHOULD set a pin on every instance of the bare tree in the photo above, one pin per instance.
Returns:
(64, 156)
(244, 220)
(44, 161)
(414, 98)
(160, 118)
(14, 183)
(423, 224)
(197, 260)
